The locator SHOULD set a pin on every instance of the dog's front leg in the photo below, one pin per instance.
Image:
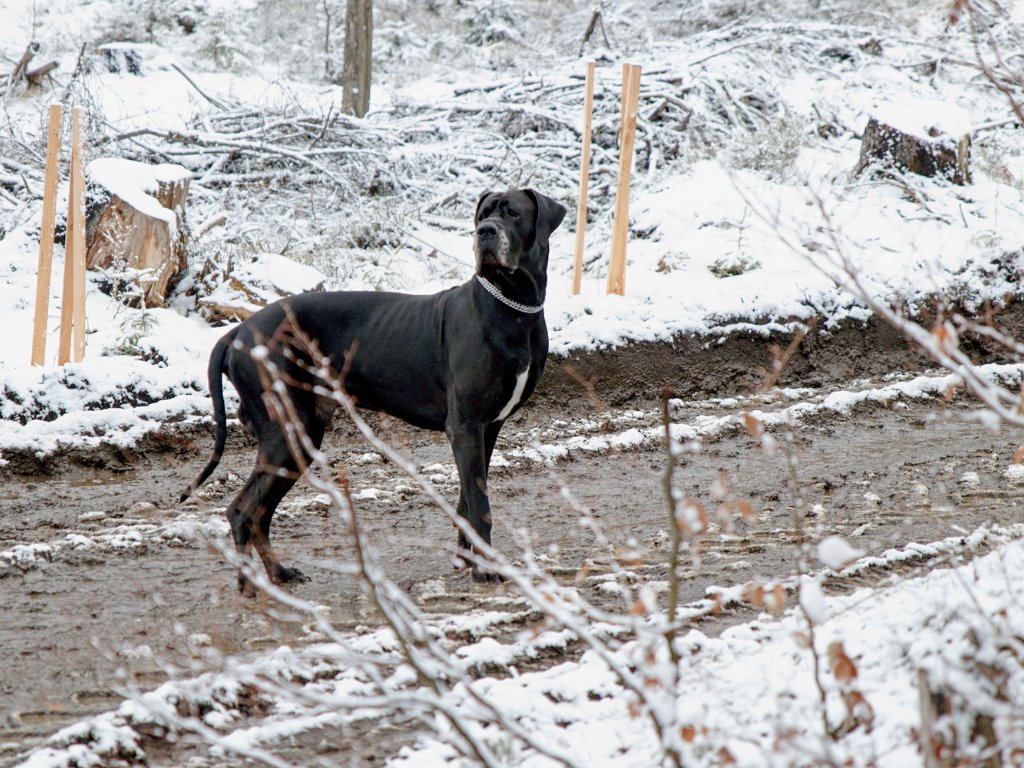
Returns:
(469, 448)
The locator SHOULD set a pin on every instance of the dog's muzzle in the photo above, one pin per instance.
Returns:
(492, 246)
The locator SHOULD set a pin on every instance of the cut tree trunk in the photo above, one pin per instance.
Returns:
(21, 68)
(136, 231)
(35, 76)
(885, 147)
(356, 69)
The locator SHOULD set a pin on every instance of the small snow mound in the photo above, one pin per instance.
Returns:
(835, 553)
(969, 480)
(271, 270)
(1015, 474)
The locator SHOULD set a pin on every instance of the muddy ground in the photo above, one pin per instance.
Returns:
(110, 580)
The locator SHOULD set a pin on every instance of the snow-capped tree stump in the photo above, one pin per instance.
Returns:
(121, 58)
(885, 146)
(136, 227)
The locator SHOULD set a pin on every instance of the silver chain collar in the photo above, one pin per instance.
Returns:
(492, 289)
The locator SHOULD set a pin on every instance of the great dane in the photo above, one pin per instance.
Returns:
(460, 361)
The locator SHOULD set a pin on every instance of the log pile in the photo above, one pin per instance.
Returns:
(24, 73)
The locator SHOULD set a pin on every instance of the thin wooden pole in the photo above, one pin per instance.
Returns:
(581, 208)
(72, 310)
(78, 231)
(45, 270)
(620, 224)
(68, 290)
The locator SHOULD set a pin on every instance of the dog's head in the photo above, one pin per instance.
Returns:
(511, 226)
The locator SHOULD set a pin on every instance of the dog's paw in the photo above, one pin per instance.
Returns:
(481, 576)
(287, 575)
(245, 587)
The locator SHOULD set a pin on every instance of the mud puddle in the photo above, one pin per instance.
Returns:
(105, 583)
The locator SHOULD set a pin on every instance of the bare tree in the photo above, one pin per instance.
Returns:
(355, 75)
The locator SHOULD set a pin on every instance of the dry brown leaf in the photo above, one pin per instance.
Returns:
(688, 733)
(776, 600)
(842, 666)
(858, 709)
(694, 517)
(753, 425)
(753, 593)
(747, 511)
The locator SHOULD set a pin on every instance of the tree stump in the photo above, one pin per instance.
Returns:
(939, 155)
(121, 58)
(136, 227)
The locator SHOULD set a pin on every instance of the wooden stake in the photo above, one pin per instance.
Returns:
(72, 315)
(581, 208)
(620, 224)
(78, 231)
(46, 237)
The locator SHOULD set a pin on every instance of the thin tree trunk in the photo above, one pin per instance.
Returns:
(355, 77)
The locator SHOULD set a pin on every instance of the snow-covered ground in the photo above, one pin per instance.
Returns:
(750, 697)
(748, 135)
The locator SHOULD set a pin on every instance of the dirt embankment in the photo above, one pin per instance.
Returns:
(633, 375)
(737, 362)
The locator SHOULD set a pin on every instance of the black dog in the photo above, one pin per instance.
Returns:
(462, 361)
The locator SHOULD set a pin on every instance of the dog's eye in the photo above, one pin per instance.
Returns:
(512, 214)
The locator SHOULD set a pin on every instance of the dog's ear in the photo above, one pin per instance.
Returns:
(549, 215)
(479, 204)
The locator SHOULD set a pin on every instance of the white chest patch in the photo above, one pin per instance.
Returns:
(516, 394)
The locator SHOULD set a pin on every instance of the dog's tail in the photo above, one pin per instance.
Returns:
(215, 372)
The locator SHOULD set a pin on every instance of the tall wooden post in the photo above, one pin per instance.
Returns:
(78, 231)
(72, 315)
(46, 236)
(581, 207)
(620, 224)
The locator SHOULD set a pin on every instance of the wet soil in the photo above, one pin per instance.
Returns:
(108, 583)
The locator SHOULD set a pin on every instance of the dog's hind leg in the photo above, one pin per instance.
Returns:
(251, 512)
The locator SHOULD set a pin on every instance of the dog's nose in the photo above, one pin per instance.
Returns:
(487, 230)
